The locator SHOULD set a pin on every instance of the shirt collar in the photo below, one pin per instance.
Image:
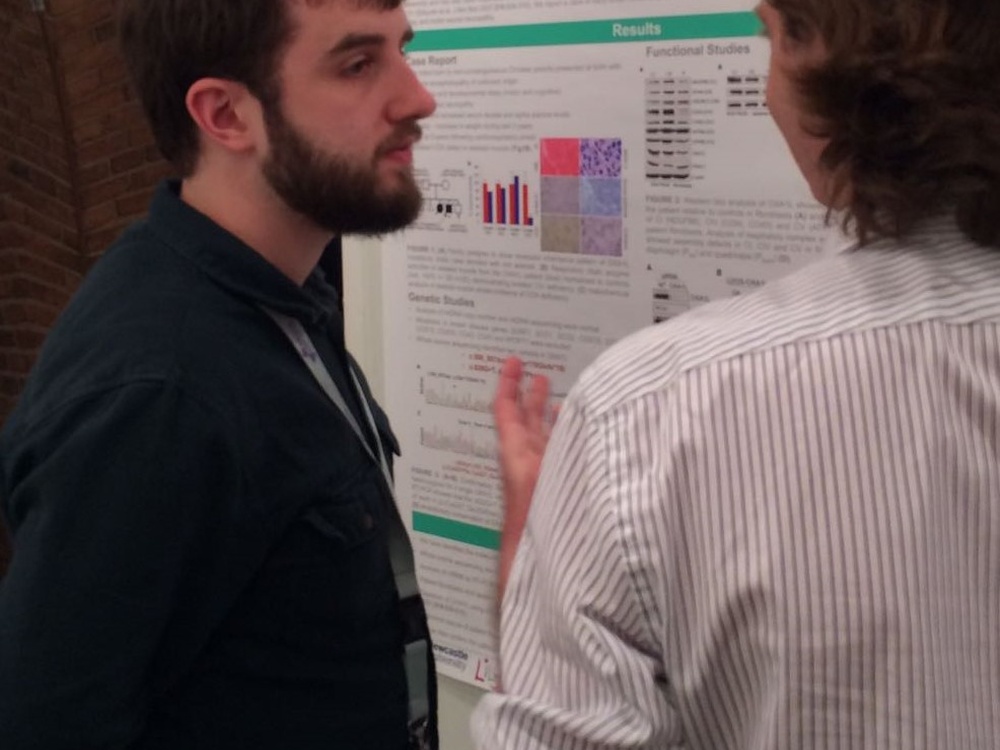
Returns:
(233, 264)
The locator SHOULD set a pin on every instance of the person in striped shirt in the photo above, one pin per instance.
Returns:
(774, 522)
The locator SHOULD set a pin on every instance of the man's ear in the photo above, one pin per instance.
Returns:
(226, 113)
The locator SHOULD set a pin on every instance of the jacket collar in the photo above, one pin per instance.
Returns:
(234, 265)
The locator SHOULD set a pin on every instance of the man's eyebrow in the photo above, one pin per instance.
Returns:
(352, 42)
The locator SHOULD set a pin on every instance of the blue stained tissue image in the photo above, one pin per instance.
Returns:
(600, 196)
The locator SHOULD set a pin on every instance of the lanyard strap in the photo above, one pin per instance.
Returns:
(416, 649)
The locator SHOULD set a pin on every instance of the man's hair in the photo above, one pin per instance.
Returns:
(909, 98)
(170, 44)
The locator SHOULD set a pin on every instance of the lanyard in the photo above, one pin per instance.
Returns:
(415, 656)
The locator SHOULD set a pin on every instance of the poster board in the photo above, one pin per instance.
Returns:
(593, 167)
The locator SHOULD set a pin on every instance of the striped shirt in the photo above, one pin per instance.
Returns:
(773, 522)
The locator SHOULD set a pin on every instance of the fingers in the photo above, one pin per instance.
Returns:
(509, 382)
(526, 416)
(507, 398)
(535, 403)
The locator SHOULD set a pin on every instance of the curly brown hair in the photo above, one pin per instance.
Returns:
(909, 98)
(170, 44)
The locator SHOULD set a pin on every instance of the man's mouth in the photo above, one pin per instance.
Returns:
(400, 147)
(402, 154)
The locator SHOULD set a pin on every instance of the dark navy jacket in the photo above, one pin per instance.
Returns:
(200, 547)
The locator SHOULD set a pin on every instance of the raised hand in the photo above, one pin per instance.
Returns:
(523, 422)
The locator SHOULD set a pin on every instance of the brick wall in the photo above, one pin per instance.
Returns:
(118, 164)
(38, 256)
(77, 163)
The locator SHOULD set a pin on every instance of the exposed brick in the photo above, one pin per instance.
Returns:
(113, 71)
(40, 313)
(40, 138)
(13, 313)
(104, 31)
(129, 160)
(10, 235)
(29, 192)
(89, 129)
(102, 101)
(7, 404)
(79, 14)
(140, 134)
(38, 250)
(19, 169)
(52, 161)
(10, 385)
(27, 339)
(149, 175)
(70, 236)
(56, 211)
(95, 173)
(42, 251)
(32, 278)
(42, 223)
(99, 241)
(105, 191)
(99, 216)
(134, 204)
(14, 211)
(21, 36)
(66, 194)
(44, 182)
(82, 81)
(76, 44)
(20, 363)
(95, 150)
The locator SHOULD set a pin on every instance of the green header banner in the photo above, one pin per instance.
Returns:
(658, 29)
(456, 531)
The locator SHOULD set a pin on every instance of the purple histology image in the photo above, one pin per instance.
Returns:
(601, 157)
(601, 236)
(560, 195)
(600, 196)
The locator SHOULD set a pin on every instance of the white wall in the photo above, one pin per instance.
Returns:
(363, 319)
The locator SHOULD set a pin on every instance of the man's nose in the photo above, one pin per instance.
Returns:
(414, 101)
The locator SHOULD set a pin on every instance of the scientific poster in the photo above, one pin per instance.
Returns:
(593, 167)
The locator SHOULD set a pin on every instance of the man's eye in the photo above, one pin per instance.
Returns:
(357, 67)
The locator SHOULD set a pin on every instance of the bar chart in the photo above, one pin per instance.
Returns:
(507, 204)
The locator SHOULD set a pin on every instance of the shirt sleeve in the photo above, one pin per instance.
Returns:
(122, 507)
(579, 659)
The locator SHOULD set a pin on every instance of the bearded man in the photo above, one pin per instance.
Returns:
(207, 553)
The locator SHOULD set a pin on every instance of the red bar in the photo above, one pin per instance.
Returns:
(528, 221)
(501, 214)
(515, 216)
(487, 205)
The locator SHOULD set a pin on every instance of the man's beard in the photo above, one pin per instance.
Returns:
(334, 192)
